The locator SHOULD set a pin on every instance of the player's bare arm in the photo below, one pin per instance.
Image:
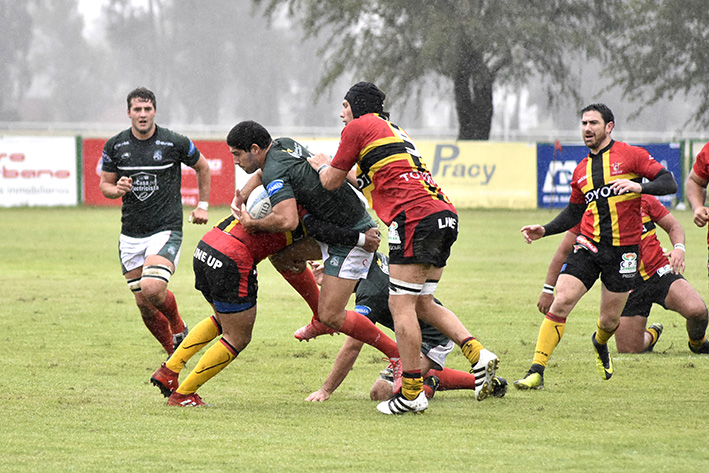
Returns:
(330, 178)
(200, 215)
(676, 233)
(696, 189)
(344, 362)
(546, 298)
(295, 257)
(112, 187)
(284, 218)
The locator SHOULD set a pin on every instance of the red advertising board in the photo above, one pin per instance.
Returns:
(217, 153)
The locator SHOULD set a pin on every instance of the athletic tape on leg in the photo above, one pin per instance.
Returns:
(157, 271)
(398, 287)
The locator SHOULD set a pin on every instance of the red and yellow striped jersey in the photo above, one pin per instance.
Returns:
(260, 245)
(390, 171)
(652, 257)
(610, 218)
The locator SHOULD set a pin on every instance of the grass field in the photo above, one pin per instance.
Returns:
(75, 396)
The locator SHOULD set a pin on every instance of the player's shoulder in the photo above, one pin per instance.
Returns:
(286, 148)
(117, 144)
(627, 149)
(167, 135)
(121, 136)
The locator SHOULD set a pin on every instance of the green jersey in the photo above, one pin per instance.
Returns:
(287, 174)
(154, 203)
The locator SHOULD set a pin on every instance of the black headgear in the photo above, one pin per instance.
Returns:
(365, 97)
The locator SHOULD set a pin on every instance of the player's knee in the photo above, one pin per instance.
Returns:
(153, 283)
(238, 341)
(696, 310)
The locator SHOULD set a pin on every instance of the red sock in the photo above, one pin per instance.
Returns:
(304, 283)
(160, 328)
(360, 327)
(169, 308)
(453, 379)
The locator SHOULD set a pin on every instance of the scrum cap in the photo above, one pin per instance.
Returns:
(365, 97)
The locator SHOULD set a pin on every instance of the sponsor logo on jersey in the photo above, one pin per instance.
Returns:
(363, 309)
(447, 222)
(209, 260)
(583, 242)
(144, 185)
(167, 143)
(595, 194)
(664, 270)
(394, 237)
(274, 187)
(363, 180)
(629, 265)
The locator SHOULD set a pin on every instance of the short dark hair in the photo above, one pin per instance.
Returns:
(246, 133)
(143, 94)
(603, 109)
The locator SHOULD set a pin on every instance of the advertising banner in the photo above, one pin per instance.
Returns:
(476, 174)
(38, 171)
(473, 174)
(221, 165)
(556, 164)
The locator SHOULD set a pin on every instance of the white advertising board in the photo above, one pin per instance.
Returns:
(38, 171)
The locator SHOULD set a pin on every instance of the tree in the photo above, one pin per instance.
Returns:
(474, 44)
(663, 52)
(208, 64)
(63, 63)
(14, 64)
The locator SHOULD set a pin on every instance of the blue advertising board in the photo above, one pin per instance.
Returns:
(556, 164)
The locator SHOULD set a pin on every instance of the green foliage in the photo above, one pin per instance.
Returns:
(662, 52)
(14, 63)
(475, 45)
(74, 391)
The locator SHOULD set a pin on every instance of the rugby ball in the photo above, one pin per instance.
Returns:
(258, 204)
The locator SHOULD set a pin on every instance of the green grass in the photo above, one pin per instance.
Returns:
(76, 358)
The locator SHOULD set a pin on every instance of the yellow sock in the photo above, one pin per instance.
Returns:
(602, 336)
(212, 362)
(471, 350)
(199, 336)
(411, 387)
(550, 333)
(697, 344)
(653, 333)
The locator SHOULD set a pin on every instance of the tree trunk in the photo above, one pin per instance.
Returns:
(473, 104)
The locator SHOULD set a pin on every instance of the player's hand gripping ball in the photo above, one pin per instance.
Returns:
(258, 204)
